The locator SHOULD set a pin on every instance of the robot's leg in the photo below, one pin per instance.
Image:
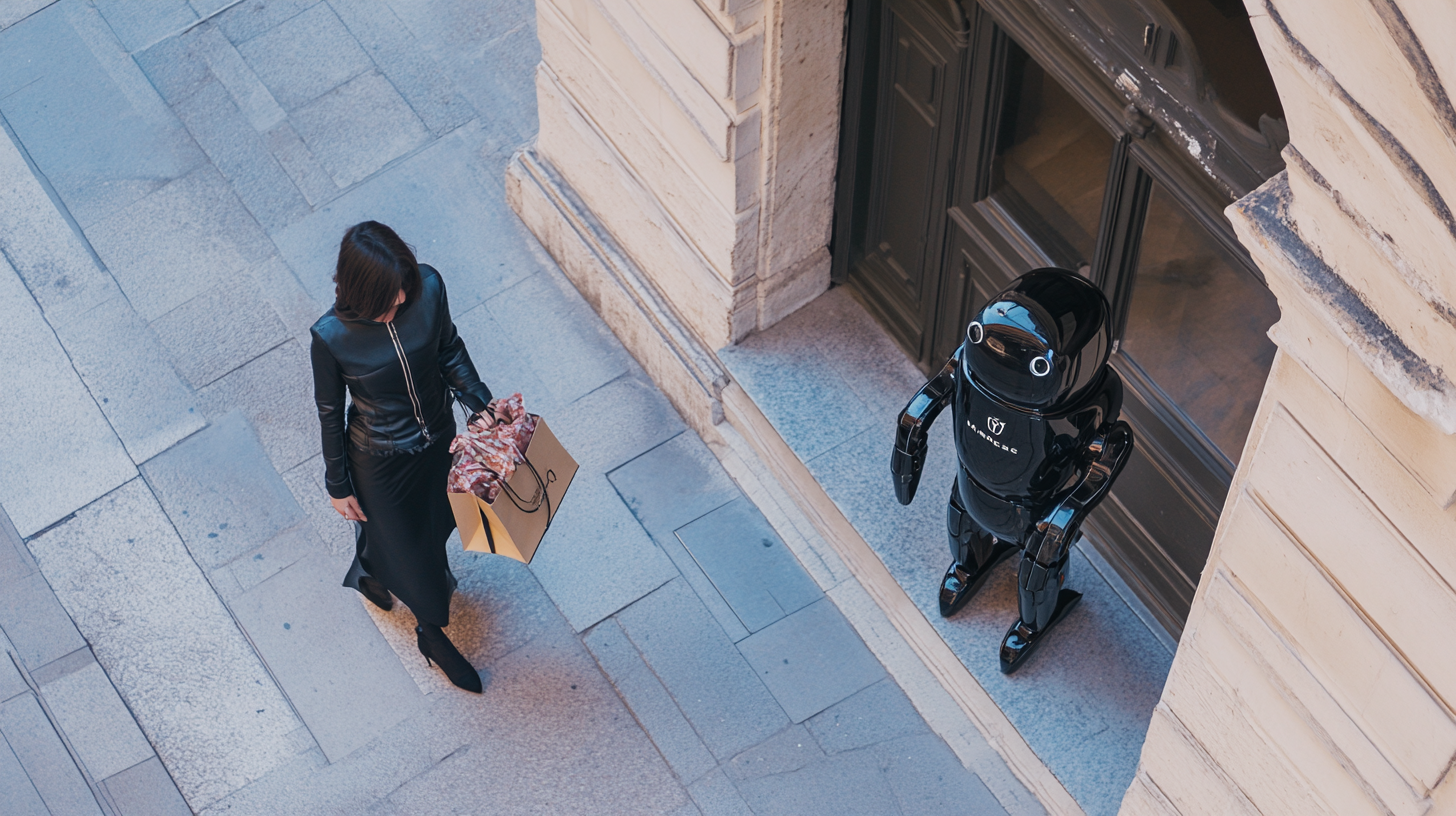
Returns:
(973, 553)
(1044, 603)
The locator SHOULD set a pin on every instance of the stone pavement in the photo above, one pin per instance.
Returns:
(173, 179)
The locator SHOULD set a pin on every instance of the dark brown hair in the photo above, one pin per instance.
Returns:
(374, 264)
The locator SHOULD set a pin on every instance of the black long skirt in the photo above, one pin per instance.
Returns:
(402, 545)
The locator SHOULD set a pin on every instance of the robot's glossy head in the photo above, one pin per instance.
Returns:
(1041, 341)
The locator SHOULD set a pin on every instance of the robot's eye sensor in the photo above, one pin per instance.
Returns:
(975, 333)
(1040, 366)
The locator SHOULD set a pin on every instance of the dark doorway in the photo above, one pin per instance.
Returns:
(978, 145)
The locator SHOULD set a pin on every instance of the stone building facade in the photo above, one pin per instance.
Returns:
(685, 177)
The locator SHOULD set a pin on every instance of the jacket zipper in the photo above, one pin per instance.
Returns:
(409, 381)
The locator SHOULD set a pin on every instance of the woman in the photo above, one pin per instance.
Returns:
(390, 341)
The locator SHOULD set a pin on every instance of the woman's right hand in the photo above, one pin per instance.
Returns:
(348, 507)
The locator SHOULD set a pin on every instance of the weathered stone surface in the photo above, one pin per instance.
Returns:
(715, 795)
(875, 714)
(145, 789)
(179, 242)
(220, 492)
(359, 127)
(189, 676)
(24, 726)
(275, 393)
(650, 703)
(138, 25)
(409, 66)
(124, 367)
(749, 564)
(38, 627)
(673, 484)
(332, 663)
(16, 789)
(714, 686)
(305, 56)
(89, 712)
(440, 202)
(596, 558)
(13, 11)
(219, 330)
(245, 21)
(62, 66)
(49, 421)
(811, 660)
(240, 154)
(306, 482)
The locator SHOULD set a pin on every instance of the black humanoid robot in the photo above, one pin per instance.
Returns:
(1039, 443)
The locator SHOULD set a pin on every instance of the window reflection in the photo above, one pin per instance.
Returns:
(1051, 163)
(1197, 325)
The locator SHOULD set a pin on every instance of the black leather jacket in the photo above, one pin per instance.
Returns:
(399, 375)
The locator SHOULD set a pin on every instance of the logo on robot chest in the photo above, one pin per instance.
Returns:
(995, 425)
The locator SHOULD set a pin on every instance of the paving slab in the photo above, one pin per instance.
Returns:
(504, 373)
(244, 21)
(221, 493)
(784, 752)
(176, 65)
(672, 484)
(36, 744)
(98, 725)
(749, 564)
(305, 56)
(301, 165)
(715, 687)
(359, 127)
(145, 789)
(649, 701)
(138, 25)
(926, 777)
(275, 392)
(248, 91)
(180, 241)
(38, 484)
(123, 365)
(409, 66)
(11, 681)
(45, 249)
(187, 673)
(568, 336)
(277, 554)
(13, 11)
(552, 736)
(811, 659)
(219, 331)
(35, 622)
(15, 559)
(55, 80)
(327, 655)
(596, 558)
(16, 790)
(240, 153)
(847, 783)
(306, 483)
(647, 420)
(282, 290)
(715, 795)
(455, 217)
(876, 713)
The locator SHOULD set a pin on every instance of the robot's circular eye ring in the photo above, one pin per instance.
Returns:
(1040, 366)
(975, 333)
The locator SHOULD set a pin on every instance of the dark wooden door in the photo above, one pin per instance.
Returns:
(921, 52)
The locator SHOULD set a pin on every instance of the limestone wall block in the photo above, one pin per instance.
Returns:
(624, 46)
(1353, 248)
(1361, 53)
(729, 65)
(633, 216)
(1337, 143)
(702, 206)
(1193, 785)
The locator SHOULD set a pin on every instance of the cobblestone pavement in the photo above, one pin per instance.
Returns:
(173, 180)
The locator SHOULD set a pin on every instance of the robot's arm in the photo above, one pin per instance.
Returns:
(914, 426)
(1108, 453)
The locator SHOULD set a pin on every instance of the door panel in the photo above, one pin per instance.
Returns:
(899, 270)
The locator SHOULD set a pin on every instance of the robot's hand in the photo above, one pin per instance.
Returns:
(913, 427)
(1108, 452)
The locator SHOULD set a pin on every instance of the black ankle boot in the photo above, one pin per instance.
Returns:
(376, 593)
(434, 645)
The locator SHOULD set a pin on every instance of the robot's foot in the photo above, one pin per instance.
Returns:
(959, 584)
(1021, 640)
